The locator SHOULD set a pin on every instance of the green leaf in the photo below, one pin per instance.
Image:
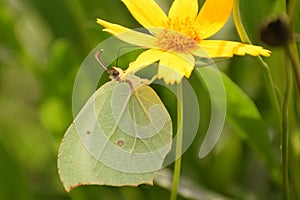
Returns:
(247, 122)
(120, 137)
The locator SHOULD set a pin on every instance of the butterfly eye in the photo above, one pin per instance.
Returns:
(115, 72)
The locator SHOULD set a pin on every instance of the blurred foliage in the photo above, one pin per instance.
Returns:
(43, 43)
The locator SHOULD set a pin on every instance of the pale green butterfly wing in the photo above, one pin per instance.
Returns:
(120, 137)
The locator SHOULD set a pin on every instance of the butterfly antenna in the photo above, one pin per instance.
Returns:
(210, 63)
(99, 59)
(119, 51)
(118, 56)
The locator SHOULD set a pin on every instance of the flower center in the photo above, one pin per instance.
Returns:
(185, 26)
(180, 35)
(175, 41)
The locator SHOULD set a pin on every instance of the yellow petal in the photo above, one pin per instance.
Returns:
(128, 35)
(222, 48)
(172, 67)
(169, 75)
(146, 12)
(184, 9)
(143, 60)
(200, 52)
(213, 16)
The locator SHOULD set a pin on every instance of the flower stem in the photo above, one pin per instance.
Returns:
(292, 51)
(293, 56)
(285, 130)
(179, 135)
(291, 66)
(238, 22)
(272, 90)
(264, 66)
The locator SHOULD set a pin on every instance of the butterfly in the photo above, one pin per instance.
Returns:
(121, 135)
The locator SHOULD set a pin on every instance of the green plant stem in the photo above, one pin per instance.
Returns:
(293, 56)
(179, 136)
(238, 22)
(267, 73)
(285, 130)
(297, 37)
(292, 51)
(271, 90)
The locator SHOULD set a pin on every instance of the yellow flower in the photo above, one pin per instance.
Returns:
(175, 40)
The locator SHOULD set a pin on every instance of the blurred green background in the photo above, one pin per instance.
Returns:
(43, 43)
